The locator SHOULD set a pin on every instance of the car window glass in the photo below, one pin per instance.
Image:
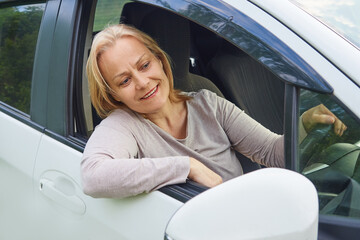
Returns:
(19, 26)
(330, 161)
(107, 13)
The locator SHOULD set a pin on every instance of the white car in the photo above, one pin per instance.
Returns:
(273, 58)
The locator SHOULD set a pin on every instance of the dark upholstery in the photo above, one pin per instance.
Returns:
(250, 85)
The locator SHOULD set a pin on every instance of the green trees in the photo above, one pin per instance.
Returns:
(19, 28)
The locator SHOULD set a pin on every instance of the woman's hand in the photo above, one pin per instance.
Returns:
(202, 174)
(321, 115)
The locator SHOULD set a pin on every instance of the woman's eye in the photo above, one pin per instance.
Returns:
(145, 66)
(125, 81)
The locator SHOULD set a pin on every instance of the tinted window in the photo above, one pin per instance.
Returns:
(107, 13)
(330, 161)
(19, 26)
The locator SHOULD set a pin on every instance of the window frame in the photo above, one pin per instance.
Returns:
(56, 69)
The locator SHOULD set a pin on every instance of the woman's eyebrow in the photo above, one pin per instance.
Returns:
(118, 76)
(140, 59)
(125, 72)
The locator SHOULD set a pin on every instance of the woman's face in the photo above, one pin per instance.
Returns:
(136, 76)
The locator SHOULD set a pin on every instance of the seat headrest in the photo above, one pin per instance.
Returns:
(172, 33)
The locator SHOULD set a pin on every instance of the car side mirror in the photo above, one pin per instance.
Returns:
(269, 203)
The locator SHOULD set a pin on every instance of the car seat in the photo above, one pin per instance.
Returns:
(249, 85)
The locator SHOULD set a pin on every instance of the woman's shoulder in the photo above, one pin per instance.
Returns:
(120, 119)
(205, 97)
(203, 94)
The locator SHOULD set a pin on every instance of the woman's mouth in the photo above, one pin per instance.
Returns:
(151, 93)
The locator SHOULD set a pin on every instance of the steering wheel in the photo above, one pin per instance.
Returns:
(308, 148)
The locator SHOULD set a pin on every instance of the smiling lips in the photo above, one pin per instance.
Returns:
(151, 93)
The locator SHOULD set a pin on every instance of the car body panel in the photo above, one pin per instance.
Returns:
(18, 149)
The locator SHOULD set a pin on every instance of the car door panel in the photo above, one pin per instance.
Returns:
(18, 149)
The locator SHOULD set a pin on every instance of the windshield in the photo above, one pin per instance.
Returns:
(340, 15)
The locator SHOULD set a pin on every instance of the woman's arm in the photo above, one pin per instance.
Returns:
(109, 167)
(249, 137)
(202, 174)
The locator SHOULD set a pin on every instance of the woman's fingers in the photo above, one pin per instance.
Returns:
(339, 127)
(323, 119)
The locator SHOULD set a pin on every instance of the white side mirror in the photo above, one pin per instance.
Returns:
(269, 203)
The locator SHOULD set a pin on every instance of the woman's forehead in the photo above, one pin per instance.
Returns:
(126, 52)
(124, 49)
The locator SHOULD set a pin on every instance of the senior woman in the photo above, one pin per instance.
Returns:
(153, 135)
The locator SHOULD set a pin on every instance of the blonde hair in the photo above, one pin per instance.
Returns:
(100, 92)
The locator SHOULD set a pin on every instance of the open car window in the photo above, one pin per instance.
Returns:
(200, 58)
(330, 161)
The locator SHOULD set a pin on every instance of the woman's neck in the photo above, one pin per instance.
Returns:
(172, 119)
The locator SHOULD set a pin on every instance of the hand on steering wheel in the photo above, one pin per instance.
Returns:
(321, 115)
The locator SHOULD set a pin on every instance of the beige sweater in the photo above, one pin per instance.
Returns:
(128, 155)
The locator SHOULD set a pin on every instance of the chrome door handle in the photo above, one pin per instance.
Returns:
(69, 201)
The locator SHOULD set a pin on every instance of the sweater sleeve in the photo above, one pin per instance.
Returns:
(109, 167)
(249, 137)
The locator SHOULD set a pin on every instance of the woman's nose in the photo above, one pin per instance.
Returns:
(141, 81)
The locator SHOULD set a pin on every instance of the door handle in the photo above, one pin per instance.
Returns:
(69, 201)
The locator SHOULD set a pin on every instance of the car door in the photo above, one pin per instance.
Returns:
(327, 159)
(253, 29)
